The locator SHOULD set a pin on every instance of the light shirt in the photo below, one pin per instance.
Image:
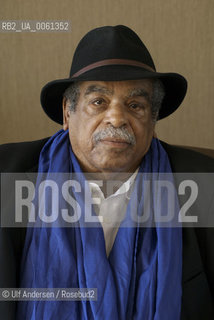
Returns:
(111, 210)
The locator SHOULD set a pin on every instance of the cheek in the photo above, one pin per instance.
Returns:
(143, 130)
(144, 134)
(80, 136)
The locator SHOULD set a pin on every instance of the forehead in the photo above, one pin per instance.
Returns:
(113, 87)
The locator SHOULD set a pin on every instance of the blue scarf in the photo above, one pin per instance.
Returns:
(141, 278)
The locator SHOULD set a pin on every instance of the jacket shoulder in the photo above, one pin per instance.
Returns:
(21, 156)
(184, 159)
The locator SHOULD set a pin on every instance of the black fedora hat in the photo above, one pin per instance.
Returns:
(112, 54)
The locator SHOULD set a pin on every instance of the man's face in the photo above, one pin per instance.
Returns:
(112, 126)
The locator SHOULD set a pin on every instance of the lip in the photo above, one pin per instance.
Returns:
(115, 143)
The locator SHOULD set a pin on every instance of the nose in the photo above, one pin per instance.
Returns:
(116, 115)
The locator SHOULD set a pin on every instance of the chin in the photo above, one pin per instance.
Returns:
(114, 166)
(115, 162)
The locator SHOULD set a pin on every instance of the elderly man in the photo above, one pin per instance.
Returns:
(110, 105)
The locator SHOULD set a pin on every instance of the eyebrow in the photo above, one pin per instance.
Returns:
(100, 89)
(139, 92)
(136, 92)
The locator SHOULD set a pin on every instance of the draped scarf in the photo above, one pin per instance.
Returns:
(141, 278)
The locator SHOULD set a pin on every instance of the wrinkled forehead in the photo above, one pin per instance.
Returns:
(128, 88)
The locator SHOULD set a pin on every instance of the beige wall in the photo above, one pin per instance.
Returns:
(179, 34)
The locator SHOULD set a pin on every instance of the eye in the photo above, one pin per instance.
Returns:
(136, 106)
(98, 102)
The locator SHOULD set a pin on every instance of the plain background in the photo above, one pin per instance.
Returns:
(178, 33)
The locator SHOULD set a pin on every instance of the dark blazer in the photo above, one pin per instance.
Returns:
(198, 243)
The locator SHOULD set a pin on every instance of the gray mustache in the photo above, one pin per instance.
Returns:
(118, 133)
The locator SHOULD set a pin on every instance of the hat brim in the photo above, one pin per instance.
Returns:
(175, 87)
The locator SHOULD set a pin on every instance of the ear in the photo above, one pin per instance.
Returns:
(66, 113)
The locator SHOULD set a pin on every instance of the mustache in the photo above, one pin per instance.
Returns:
(117, 133)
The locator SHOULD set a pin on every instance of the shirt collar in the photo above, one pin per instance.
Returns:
(124, 188)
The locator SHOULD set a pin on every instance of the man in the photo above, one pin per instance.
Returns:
(110, 104)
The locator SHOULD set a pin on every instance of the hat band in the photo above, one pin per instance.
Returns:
(108, 62)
